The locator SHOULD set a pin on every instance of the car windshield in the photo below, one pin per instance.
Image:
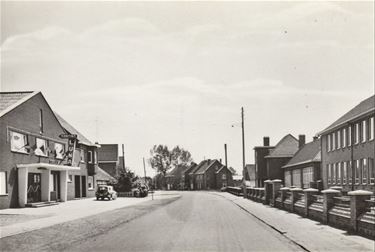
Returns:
(103, 189)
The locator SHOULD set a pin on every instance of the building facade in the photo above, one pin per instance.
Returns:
(348, 149)
(303, 170)
(34, 159)
(260, 152)
(212, 175)
(108, 159)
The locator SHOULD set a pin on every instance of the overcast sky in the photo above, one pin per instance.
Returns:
(178, 73)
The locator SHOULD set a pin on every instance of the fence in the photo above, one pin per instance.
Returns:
(354, 212)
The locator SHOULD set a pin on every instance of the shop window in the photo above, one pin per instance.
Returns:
(19, 142)
(90, 182)
(364, 131)
(371, 131)
(89, 157)
(371, 169)
(3, 183)
(364, 170)
(41, 147)
(59, 150)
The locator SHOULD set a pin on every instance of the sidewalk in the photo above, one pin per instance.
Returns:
(311, 235)
(19, 220)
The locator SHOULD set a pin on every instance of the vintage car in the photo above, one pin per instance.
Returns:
(140, 191)
(105, 191)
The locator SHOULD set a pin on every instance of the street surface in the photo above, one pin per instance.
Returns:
(198, 221)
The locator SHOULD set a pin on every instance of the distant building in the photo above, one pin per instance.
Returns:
(303, 170)
(260, 152)
(185, 178)
(348, 149)
(108, 158)
(237, 180)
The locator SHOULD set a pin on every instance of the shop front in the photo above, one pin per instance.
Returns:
(42, 182)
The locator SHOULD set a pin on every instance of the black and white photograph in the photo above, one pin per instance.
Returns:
(199, 126)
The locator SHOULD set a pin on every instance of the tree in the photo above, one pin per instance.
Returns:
(162, 159)
(124, 180)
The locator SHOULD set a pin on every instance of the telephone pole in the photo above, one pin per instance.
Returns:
(123, 157)
(226, 158)
(243, 153)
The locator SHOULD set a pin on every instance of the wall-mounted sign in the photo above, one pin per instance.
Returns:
(70, 151)
(68, 136)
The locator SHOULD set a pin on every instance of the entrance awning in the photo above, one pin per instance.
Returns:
(52, 167)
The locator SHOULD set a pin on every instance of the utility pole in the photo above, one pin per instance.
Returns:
(123, 157)
(226, 158)
(144, 170)
(243, 153)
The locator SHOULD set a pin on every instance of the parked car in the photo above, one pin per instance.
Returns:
(105, 191)
(140, 191)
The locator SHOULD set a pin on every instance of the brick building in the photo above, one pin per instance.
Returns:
(108, 159)
(211, 174)
(348, 149)
(33, 164)
(260, 152)
(303, 170)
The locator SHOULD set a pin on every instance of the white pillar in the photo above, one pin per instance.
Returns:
(22, 186)
(63, 186)
(45, 185)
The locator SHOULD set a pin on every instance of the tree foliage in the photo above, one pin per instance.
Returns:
(125, 180)
(162, 159)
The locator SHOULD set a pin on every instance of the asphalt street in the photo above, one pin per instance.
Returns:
(197, 221)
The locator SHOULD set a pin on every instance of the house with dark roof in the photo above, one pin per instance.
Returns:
(211, 175)
(281, 154)
(178, 178)
(82, 182)
(185, 178)
(348, 149)
(35, 160)
(303, 170)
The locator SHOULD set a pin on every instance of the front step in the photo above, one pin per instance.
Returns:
(41, 204)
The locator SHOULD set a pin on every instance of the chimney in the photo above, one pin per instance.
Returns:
(266, 141)
(315, 138)
(301, 141)
(220, 160)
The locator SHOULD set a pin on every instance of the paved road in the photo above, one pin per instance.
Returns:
(198, 221)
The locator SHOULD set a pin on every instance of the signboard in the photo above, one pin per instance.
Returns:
(70, 151)
(68, 136)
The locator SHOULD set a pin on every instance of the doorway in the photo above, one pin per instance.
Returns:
(83, 186)
(77, 186)
(34, 188)
(55, 186)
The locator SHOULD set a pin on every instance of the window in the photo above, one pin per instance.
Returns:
(18, 142)
(344, 172)
(59, 151)
(356, 170)
(89, 157)
(307, 176)
(296, 176)
(338, 173)
(371, 129)
(344, 137)
(364, 170)
(333, 167)
(350, 172)
(95, 157)
(356, 133)
(288, 178)
(70, 178)
(224, 176)
(41, 147)
(371, 169)
(329, 173)
(339, 139)
(82, 154)
(333, 141)
(364, 131)
(3, 183)
(329, 144)
(90, 182)
(41, 120)
(349, 136)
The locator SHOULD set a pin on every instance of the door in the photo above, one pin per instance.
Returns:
(83, 186)
(34, 188)
(55, 186)
(77, 186)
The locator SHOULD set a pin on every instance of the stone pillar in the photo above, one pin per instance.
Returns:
(328, 196)
(63, 186)
(22, 186)
(276, 185)
(308, 194)
(295, 192)
(45, 185)
(267, 191)
(357, 205)
(283, 192)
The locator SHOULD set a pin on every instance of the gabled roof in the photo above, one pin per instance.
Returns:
(199, 166)
(221, 168)
(103, 175)
(286, 147)
(363, 108)
(11, 100)
(310, 152)
(71, 130)
(206, 166)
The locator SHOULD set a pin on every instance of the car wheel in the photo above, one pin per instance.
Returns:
(97, 198)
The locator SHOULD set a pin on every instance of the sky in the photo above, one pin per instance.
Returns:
(178, 73)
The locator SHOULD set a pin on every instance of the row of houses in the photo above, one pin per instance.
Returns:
(43, 158)
(207, 175)
(341, 155)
